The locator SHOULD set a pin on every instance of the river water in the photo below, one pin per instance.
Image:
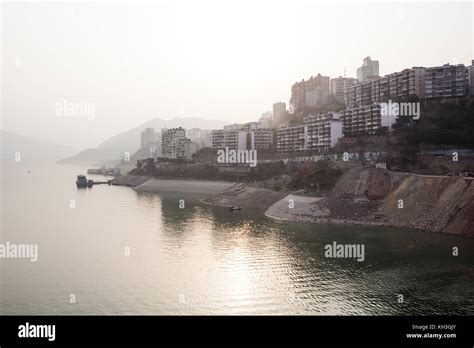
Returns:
(115, 251)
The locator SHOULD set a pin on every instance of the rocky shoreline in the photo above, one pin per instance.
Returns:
(370, 197)
(362, 196)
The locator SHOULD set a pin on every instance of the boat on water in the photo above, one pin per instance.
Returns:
(233, 208)
(81, 181)
(90, 183)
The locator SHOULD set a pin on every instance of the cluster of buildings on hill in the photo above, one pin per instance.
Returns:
(363, 98)
(361, 115)
(317, 133)
(316, 91)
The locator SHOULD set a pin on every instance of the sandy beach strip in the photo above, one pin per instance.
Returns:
(183, 186)
(297, 208)
(305, 209)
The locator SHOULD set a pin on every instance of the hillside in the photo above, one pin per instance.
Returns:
(432, 203)
(439, 204)
(370, 196)
(32, 150)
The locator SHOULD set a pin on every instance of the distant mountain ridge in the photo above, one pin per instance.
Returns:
(113, 148)
(31, 150)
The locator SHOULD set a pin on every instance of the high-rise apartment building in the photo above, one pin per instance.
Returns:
(279, 111)
(235, 139)
(318, 133)
(471, 79)
(175, 145)
(339, 84)
(322, 131)
(316, 98)
(446, 81)
(201, 137)
(291, 139)
(147, 137)
(260, 139)
(299, 90)
(368, 70)
(251, 136)
(233, 136)
(217, 139)
(406, 83)
(365, 120)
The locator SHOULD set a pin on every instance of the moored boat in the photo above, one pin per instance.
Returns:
(81, 181)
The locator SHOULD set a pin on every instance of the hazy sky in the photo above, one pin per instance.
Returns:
(227, 60)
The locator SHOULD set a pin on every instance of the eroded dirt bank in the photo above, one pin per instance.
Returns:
(370, 196)
(246, 196)
(438, 204)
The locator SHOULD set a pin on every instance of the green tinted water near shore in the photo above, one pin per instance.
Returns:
(208, 260)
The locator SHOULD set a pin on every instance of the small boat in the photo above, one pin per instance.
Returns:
(90, 183)
(81, 181)
(235, 208)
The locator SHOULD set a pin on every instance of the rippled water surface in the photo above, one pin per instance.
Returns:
(207, 260)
